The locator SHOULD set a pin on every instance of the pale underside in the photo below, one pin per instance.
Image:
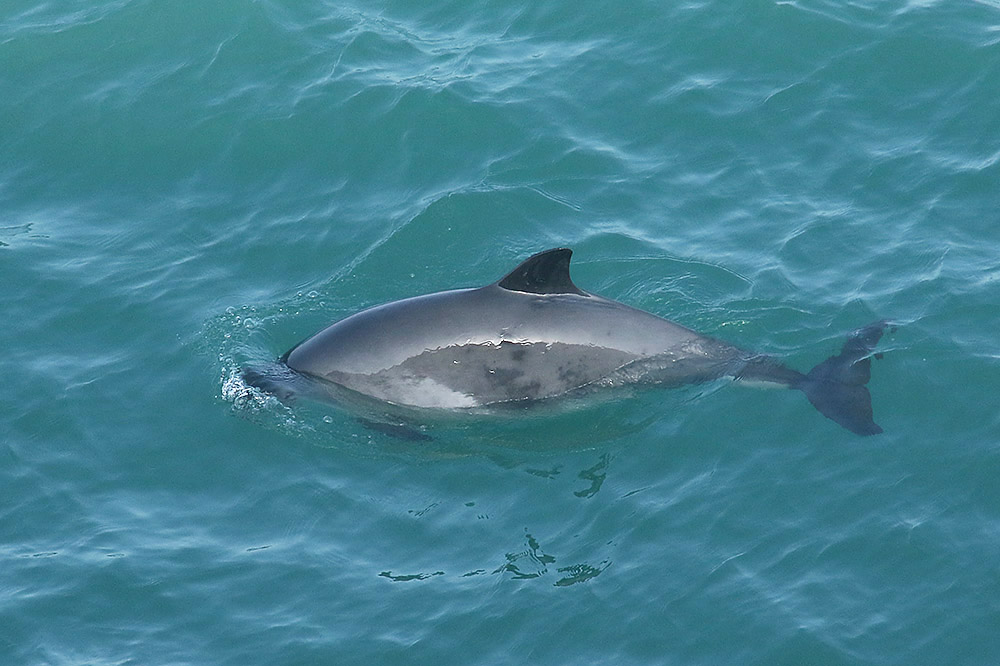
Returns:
(474, 375)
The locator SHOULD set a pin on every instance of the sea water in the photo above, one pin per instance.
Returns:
(190, 187)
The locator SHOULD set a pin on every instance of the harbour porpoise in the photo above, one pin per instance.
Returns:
(534, 335)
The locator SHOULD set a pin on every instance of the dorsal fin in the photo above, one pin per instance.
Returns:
(543, 273)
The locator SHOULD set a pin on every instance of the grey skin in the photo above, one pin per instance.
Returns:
(534, 335)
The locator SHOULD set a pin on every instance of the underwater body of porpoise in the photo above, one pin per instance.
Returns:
(534, 335)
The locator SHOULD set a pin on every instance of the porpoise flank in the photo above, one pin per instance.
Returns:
(535, 335)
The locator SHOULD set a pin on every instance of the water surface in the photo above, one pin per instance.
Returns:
(189, 187)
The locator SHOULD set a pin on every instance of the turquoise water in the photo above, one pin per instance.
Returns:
(188, 187)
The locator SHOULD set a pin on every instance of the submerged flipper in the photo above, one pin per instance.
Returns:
(836, 387)
(401, 431)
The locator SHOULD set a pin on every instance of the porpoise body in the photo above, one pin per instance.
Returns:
(534, 335)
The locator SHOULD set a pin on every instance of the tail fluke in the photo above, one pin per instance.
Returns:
(836, 387)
